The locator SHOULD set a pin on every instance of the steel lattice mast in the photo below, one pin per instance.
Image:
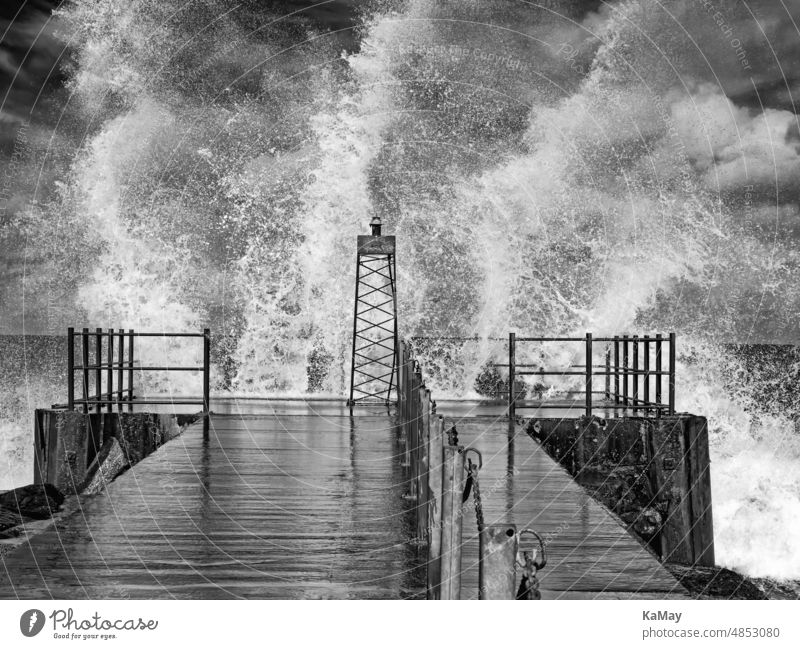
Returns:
(374, 359)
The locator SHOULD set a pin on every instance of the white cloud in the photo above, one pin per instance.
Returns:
(732, 147)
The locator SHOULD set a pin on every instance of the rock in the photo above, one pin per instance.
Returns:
(716, 582)
(10, 533)
(109, 463)
(38, 501)
(8, 519)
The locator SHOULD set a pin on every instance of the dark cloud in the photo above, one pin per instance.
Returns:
(30, 73)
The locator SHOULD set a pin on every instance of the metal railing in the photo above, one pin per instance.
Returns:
(629, 374)
(119, 361)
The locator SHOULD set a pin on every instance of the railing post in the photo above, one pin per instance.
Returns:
(608, 372)
(625, 371)
(85, 364)
(672, 373)
(435, 469)
(452, 492)
(512, 370)
(120, 374)
(647, 373)
(616, 370)
(497, 573)
(206, 370)
(110, 370)
(658, 373)
(70, 368)
(588, 374)
(130, 370)
(635, 372)
(98, 362)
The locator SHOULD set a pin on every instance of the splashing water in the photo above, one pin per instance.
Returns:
(545, 170)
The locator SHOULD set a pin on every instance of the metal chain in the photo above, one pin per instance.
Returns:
(476, 495)
(532, 562)
(529, 584)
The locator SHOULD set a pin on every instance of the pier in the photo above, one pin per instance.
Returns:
(385, 495)
(304, 500)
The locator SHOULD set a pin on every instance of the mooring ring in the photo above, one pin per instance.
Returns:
(539, 564)
(477, 452)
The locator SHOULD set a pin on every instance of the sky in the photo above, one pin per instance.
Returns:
(739, 129)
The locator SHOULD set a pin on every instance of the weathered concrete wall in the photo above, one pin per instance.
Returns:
(653, 473)
(71, 448)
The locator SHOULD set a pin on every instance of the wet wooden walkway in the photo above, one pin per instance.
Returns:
(305, 501)
(590, 555)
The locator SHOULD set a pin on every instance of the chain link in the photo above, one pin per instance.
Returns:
(476, 494)
(529, 584)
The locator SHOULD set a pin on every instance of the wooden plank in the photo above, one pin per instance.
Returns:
(452, 518)
(424, 428)
(436, 459)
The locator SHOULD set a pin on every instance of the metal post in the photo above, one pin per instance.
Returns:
(350, 401)
(419, 389)
(635, 371)
(406, 400)
(392, 277)
(608, 372)
(414, 435)
(647, 373)
(70, 367)
(98, 362)
(401, 388)
(452, 492)
(435, 466)
(120, 374)
(588, 374)
(512, 371)
(130, 370)
(206, 370)
(658, 373)
(672, 374)
(405, 415)
(616, 369)
(625, 370)
(85, 365)
(422, 463)
(497, 573)
(110, 370)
